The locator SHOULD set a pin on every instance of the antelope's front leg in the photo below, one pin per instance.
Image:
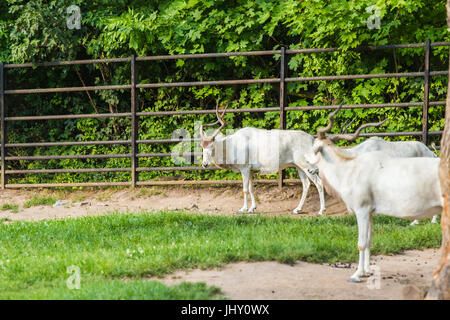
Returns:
(363, 218)
(319, 185)
(305, 187)
(245, 181)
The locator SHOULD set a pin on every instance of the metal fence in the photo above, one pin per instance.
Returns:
(134, 142)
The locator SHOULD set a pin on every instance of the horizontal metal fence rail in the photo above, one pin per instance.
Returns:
(134, 115)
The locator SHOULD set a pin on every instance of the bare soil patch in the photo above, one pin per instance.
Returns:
(211, 200)
(309, 281)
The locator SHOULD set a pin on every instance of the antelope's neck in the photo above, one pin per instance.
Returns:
(219, 152)
(333, 165)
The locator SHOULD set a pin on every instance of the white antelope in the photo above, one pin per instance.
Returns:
(375, 183)
(399, 149)
(267, 151)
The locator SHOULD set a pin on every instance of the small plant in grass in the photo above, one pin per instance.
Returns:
(10, 206)
(39, 201)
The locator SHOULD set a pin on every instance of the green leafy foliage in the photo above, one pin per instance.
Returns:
(36, 31)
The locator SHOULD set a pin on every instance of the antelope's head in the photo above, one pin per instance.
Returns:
(208, 142)
(313, 156)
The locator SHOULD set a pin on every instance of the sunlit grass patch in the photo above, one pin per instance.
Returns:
(34, 256)
(40, 201)
(10, 206)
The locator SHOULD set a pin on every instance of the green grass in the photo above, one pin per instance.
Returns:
(116, 252)
(10, 206)
(113, 289)
(39, 201)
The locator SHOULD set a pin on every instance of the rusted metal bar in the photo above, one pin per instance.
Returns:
(68, 89)
(85, 156)
(356, 76)
(143, 183)
(212, 182)
(357, 106)
(438, 73)
(396, 134)
(200, 182)
(134, 146)
(426, 88)
(167, 140)
(70, 116)
(66, 185)
(64, 63)
(87, 170)
(294, 79)
(168, 154)
(90, 170)
(206, 83)
(69, 143)
(209, 55)
(366, 106)
(283, 104)
(192, 168)
(440, 44)
(3, 124)
(283, 93)
(173, 113)
(369, 48)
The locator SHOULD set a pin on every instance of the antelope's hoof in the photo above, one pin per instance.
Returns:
(251, 210)
(296, 211)
(414, 223)
(354, 279)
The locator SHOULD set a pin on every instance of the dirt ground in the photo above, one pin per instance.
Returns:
(309, 281)
(241, 280)
(211, 200)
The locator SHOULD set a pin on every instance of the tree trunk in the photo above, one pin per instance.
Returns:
(440, 286)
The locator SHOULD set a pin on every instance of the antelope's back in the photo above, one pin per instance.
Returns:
(394, 148)
(267, 150)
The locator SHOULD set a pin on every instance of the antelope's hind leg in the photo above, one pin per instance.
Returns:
(245, 182)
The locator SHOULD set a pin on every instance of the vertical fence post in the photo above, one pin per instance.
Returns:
(3, 123)
(134, 147)
(282, 103)
(426, 93)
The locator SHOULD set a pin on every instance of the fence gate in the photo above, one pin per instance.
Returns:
(134, 169)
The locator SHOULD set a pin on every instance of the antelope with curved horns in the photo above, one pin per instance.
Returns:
(401, 149)
(266, 151)
(375, 183)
